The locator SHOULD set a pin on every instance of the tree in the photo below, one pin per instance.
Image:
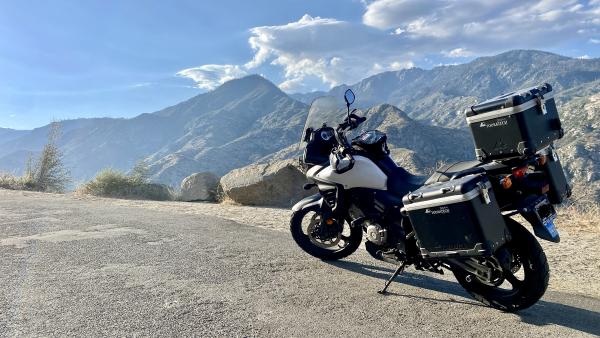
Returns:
(48, 172)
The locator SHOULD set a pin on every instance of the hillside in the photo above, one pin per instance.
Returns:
(440, 95)
(416, 145)
(229, 127)
(251, 120)
(580, 148)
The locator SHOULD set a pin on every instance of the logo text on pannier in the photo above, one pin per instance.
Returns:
(440, 210)
(498, 123)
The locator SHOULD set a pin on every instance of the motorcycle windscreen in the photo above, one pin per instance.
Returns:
(329, 111)
(325, 111)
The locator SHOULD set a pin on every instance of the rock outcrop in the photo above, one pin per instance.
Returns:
(199, 187)
(277, 184)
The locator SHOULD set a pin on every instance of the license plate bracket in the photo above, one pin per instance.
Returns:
(541, 214)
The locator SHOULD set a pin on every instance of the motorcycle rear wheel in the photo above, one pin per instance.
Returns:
(334, 248)
(527, 279)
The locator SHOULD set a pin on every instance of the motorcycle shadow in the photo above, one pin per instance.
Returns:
(555, 310)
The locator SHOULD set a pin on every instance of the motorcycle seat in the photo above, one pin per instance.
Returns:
(400, 182)
(446, 172)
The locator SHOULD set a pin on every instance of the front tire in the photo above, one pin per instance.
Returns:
(351, 237)
(523, 284)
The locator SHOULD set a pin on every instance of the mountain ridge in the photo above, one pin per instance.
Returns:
(250, 119)
(440, 95)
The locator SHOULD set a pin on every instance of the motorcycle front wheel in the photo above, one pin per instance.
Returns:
(522, 273)
(322, 240)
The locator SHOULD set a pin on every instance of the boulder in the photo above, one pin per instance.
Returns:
(199, 187)
(277, 184)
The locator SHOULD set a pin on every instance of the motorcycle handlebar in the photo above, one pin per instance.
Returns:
(352, 122)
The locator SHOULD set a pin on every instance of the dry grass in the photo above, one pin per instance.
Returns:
(113, 183)
(12, 182)
(580, 216)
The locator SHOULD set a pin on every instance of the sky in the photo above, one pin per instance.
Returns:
(111, 58)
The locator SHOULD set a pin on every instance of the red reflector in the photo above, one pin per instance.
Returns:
(520, 172)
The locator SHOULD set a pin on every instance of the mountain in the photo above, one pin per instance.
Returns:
(232, 126)
(440, 95)
(307, 98)
(7, 134)
(580, 148)
(251, 120)
(92, 144)
(229, 127)
(415, 144)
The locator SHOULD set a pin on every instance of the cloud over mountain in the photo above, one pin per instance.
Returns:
(210, 76)
(484, 26)
(396, 34)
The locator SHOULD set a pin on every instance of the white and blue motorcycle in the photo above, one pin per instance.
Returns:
(361, 192)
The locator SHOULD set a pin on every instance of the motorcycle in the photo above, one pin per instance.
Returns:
(460, 219)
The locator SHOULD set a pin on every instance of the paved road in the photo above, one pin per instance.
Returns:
(72, 267)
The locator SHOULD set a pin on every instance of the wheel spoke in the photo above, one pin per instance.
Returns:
(514, 281)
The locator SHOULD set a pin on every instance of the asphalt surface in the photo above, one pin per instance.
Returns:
(81, 268)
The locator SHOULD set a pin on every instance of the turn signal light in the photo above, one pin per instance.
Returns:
(506, 182)
(542, 160)
(329, 221)
(520, 172)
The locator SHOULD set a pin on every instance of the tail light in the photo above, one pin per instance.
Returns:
(520, 172)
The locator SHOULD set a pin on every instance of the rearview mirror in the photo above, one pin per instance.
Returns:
(349, 97)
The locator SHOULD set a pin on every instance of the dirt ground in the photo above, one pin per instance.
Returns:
(574, 262)
(85, 266)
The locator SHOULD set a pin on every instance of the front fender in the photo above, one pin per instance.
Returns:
(308, 202)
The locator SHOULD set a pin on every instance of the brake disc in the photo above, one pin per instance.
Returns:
(314, 232)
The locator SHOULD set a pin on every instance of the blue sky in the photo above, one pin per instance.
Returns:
(68, 59)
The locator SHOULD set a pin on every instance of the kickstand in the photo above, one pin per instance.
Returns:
(396, 273)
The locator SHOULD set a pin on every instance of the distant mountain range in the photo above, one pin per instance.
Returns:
(250, 119)
(440, 95)
(232, 126)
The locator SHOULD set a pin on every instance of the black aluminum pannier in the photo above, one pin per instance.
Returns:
(516, 124)
(460, 217)
(555, 175)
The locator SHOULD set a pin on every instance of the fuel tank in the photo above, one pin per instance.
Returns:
(364, 174)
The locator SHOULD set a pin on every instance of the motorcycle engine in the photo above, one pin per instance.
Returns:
(376, 233)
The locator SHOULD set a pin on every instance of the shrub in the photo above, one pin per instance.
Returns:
(9, 181)
(46, 173)
(113, 183)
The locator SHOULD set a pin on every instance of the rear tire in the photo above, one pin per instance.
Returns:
(525, 292)
(304, 242)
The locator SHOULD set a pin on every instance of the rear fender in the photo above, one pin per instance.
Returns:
(540, 213)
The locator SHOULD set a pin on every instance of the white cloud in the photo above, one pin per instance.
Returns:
(483, 26)
(210, 76)
(395, 33)
(458, 52)
(584, 57)
(327, 49)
